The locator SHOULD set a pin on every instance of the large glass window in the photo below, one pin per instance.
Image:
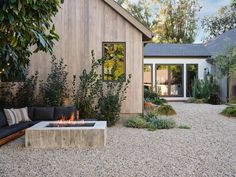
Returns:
(114, 65)
(176, 80)
(148, 76)
(192, 73)
(169, 80)
(162, 80)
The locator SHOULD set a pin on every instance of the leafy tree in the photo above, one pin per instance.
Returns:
(25, 23)
(143, 12)
(173, 21)
(224, 20)
(226, 63)
(177, 21)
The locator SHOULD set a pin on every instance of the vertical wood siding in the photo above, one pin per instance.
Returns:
(83, 25)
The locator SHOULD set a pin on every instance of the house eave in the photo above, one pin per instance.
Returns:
(147, 34)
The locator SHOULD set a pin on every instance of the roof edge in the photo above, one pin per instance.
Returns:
(124, 13)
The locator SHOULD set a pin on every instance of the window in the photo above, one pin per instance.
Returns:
(114, 65)
(192, 73)
(169, 80)
(148, 76)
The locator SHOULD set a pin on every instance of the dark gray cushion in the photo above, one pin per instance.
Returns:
(31, 112)
(3, 120)
(9, 130)
(43, 114)
(64, 111)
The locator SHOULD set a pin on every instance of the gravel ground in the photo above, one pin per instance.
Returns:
(207, 149)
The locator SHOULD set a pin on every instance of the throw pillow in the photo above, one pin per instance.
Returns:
(15, 116)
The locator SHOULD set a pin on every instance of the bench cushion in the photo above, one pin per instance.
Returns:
(3, 120)
(9, 130)
(43, 114)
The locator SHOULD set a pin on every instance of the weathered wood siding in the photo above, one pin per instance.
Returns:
(83, 25)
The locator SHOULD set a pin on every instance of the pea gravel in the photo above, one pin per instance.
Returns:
(208, 149)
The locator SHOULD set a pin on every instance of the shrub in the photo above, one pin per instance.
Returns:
(89, 86)
(150, 96)
(204, 88)
(165, 109)
(229, 112)
(197, 101)
(137, 122)
(55, 90)
(214, 99)
(111, 98)
(184, 127)
(25, 94)
(161, 123)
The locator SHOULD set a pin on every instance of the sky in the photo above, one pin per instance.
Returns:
(209, 7)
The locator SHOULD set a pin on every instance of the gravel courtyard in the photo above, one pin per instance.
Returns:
(207, 149)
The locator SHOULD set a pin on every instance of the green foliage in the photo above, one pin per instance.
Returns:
(55, 90)
(25, 94)
(184, 127)
(177, 21)
(223, 21)
(150, 96)
(111, 97)
(89, 86)
(226, 63)
(101, 99)
(214, 99)
(229, 112)
(137, 122)
(25, 23)
(202, 89)
(197, 101)
(6, 95)
(165, 109)
(162, 123)
(151, 121)
(173, 21)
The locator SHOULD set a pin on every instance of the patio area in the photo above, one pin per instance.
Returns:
(207, 149)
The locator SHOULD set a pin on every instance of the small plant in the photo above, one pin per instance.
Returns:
(161, 123)
(206, 90)
(150, 96)
(229, 112)
(197, 101)
(55, 90)
(214, 99)
(184, 127)
(25, 94)
(137, 122)
(165, 109)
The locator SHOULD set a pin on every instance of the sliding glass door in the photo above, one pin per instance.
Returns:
(192, 73)
(169, 80)
(148, 76)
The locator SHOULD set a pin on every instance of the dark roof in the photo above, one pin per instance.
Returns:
(222, 42)
(175, 50)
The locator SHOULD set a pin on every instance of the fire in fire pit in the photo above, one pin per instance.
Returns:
(71, 122)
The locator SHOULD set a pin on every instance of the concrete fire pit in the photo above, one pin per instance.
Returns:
(67, 135)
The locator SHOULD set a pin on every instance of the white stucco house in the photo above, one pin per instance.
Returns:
(169, 69)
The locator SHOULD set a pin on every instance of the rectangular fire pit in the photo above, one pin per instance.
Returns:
(67, 134)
